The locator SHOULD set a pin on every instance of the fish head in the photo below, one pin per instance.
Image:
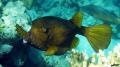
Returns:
(90, 9)
(37, 37)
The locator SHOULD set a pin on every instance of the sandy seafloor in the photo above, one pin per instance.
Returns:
(16, 54)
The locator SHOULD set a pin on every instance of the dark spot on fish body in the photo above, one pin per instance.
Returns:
(46, 31)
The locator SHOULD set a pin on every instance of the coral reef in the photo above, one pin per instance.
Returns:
(16, 54)
(55, 61)
(5, 49)
(80, 59)
(13, 13)
(28, 3)
(58, 8)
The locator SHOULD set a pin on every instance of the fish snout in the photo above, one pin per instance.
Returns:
(25, 41)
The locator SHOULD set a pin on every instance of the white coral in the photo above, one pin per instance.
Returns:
(103, 61)
(77, 59)
(14, 13)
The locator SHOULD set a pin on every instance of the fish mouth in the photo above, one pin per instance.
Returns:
(24, 41)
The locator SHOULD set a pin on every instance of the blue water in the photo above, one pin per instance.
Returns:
(17, 54)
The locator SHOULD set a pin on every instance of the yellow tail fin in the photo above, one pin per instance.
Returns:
(99, 36)
(20, 31)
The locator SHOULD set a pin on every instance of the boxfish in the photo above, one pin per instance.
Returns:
(56, 36)
(100, 13)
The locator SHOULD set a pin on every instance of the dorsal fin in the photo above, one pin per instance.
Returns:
(20, 31)
(77, 19)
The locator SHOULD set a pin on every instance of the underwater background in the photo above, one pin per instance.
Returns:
(14, 53)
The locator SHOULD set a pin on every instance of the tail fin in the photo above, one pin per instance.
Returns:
(20, 31)
(99, 36)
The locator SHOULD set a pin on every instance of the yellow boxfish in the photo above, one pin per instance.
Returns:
(56, 35)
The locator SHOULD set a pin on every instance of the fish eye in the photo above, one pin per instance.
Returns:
(46, 31)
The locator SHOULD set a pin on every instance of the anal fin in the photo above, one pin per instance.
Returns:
(75, 43)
